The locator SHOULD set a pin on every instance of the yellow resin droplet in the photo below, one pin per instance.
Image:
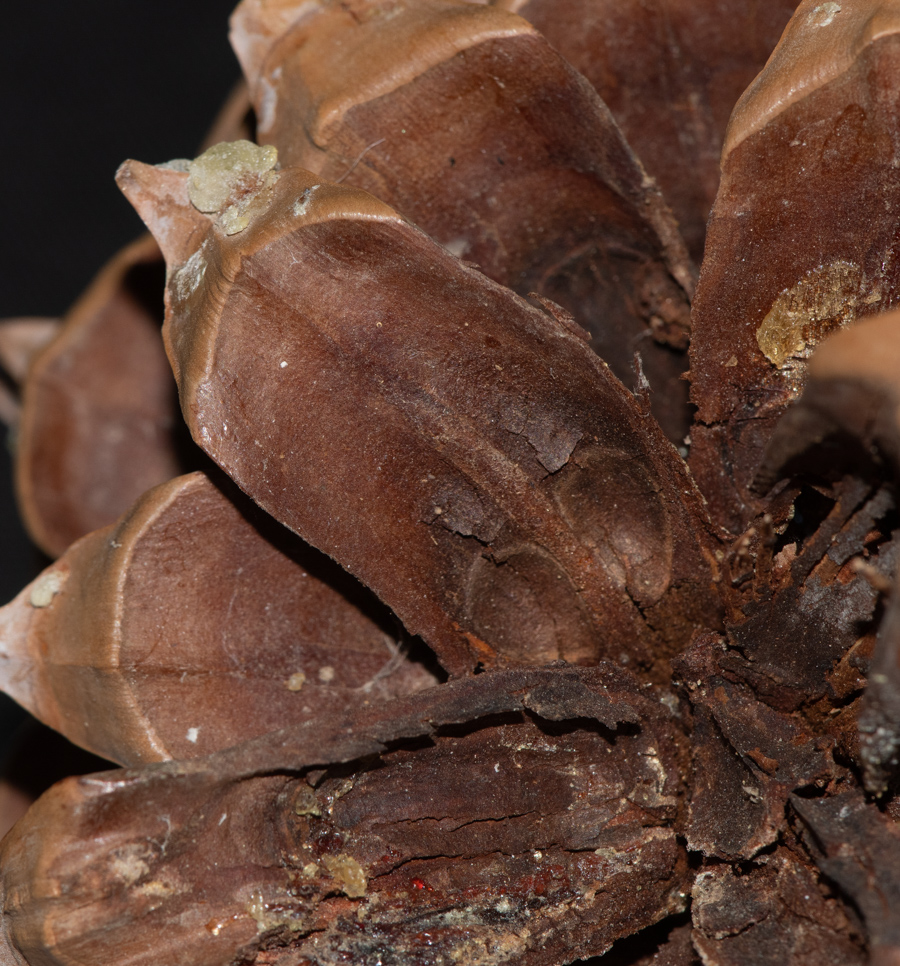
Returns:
(824, 300)
(348, 873)
(226, 172)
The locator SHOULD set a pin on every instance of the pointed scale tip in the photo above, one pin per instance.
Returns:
(257, 24)
(821, 42)
(21, 340)
(159, 194)
(21, 671)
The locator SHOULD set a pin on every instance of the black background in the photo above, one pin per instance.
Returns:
(85, 84)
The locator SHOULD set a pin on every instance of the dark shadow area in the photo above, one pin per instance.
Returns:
(810, 510)
(83, 86)
(323, 568)
(638, 950)
(38, 757)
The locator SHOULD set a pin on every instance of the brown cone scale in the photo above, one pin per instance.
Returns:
(470, 458)
(490, 459)
(670, 72)
(466, 121)
(89, 445)
(777, 907)
(850, 412)
(801, 239)
(243, 630)
(393, 861)
(21, 341)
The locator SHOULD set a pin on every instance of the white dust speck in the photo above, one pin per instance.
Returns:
(457, 246)
(45, 588)
(268, 105)
(190, 275)
(824, 14)
(301, 205)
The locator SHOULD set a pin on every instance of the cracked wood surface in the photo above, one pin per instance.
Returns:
(418, 828)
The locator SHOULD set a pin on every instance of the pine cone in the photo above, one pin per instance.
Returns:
(432, 621)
